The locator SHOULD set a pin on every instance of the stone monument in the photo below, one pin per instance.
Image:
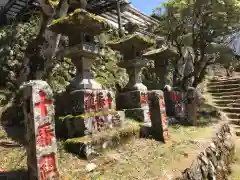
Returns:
(89, 114)
(86, 96)
(161, 57)
(134, 98)
(156, 97)
(39, 122)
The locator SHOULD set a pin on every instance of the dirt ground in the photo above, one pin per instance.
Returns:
(139, 159)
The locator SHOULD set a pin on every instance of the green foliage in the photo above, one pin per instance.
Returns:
(108, 73)
(14, 40)
(197, 24)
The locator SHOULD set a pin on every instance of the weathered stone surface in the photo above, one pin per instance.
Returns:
(138, 114)
(41, 141)
(215, 160)
(91, 111)
(92, 145)
(135, 104)
(132, 99)
(80, 126)
(158, 115)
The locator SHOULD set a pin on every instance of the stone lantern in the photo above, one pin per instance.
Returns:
(91, 106)
(161, 57)
(134, 95)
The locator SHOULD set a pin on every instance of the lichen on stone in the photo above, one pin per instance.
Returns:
(81, 20)
(55, 3)
(143, 38)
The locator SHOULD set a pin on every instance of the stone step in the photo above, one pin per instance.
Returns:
(235, 105)
(217, 79)
(93, 145)
(230, 93)
(233, 116)
(235, 122)
(226, 82)
(230, 110)
(224, 102)
(229, 97)
(224, 86)
(217, 90)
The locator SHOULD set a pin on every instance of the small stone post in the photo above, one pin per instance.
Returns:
(192, 106)
(40, 131)
(158, 115)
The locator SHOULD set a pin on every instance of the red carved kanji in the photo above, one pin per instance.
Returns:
(43, 103)
(143, 98)
(44, 135)
(100, 100)
(89, 101)
(48, 168)
(162, 103)
(109, 100)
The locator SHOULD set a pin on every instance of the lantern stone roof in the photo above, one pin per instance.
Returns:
(125, 44)
(80, 21)
(163, 52)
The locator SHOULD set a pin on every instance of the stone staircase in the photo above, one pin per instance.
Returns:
(225, 93)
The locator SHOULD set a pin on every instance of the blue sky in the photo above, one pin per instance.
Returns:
(146, 6)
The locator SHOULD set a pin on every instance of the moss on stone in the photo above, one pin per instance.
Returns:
(55, 3)
(143, 38)
(81, 20)
(90, 114)
(128, 130)
(84, 139)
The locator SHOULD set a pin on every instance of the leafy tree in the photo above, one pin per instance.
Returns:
(196, 29)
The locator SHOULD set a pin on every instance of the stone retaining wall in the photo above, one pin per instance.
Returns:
(214, 163)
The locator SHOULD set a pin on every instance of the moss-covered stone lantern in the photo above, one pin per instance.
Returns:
(134, 96)
(161, 57)
(81, 27)
(87, 108)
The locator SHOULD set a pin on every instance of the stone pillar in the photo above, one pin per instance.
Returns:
(161, 72)
(192, 106)
(84, 78)
(158, 115)
(40, 126)
(134, 71)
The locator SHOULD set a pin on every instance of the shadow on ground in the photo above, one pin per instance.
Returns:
(14, 175)
(12, 120)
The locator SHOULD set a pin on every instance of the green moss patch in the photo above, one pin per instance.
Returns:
(109, 139)
(80, 21)
(139, 41)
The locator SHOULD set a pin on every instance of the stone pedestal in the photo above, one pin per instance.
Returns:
(40, 126)
(135, 104)
(192, 106)
(92, 111)
(158, 115)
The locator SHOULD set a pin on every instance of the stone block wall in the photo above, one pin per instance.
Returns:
(215, 161)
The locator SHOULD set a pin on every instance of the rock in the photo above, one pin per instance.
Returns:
(90, 167)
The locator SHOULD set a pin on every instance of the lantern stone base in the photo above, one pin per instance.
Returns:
(158, 115)
(86, 102)
(132, 99)
(138, 114)
(81, 126)
(93, 145)
(135, 105)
